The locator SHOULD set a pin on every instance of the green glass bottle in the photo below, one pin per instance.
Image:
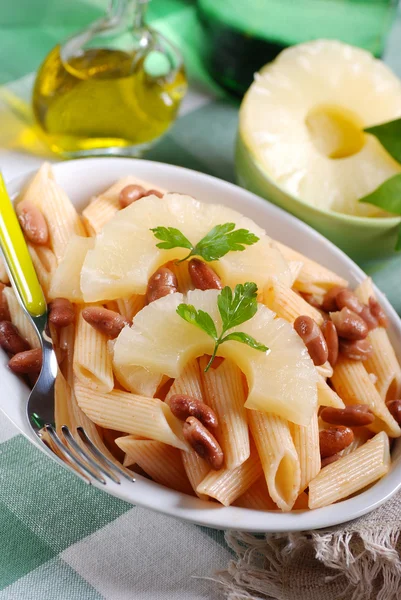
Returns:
(243, 35)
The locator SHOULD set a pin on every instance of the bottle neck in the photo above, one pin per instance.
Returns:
(131, 12)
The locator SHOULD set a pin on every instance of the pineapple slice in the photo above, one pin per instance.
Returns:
(302, 121)
(283, 381)
(125, 253)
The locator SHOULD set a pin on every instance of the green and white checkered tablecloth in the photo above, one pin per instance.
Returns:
(59, 538)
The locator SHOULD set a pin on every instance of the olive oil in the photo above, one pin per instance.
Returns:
(105, 101)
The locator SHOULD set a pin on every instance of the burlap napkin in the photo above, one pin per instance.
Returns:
(360, 560)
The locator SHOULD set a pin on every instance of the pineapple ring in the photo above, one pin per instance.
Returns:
(302, 121)
(283, 381)
(125, 253)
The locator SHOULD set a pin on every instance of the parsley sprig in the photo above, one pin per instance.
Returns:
(217, 243)
(234, 310)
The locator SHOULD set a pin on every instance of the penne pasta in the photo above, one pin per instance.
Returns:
(278, 457)
(383, 363)
(288, 304)
(62, 393)
(45, 264)
(295, 267)
(351, 473)
(161, 462)
(313, 278)
(103, 207)
(149, 418)
(352, 382)
(190, 384)
(224, 393)
(129, 307)
(62, 218)
(66, 280)
(306, 442)
(92, 362)
(19, 318)
(257, 497)
(227, 485)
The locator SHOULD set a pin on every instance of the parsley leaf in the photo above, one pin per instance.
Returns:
(172, 238)
(234, 310)
(389, 135)
(199, 318)
(214, 245)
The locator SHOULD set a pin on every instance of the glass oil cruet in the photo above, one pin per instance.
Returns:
(112, 89)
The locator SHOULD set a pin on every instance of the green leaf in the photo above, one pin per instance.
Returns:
(171, 238)
(389, 135)
(217, 243)
(199, 318)
(234, 310)
(221, 240)
(239, 308)
(244, 338)
(387, 196)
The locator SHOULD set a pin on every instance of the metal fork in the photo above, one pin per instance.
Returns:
(82, 455)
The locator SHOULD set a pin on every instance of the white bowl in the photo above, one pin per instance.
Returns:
(84, 178)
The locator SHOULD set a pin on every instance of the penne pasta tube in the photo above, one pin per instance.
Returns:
(224, 393)
(295, 267)
(62, 218)
(351, 473)
(383, 363)
(102, 208)
(353, 384)
(45, 263)
(278, 457)
(227, 485)
(326, 396)
(19, 318)
(306, 442)
(161, 462)
(288, 304)
(62, 393)
(92, 362)
(148, 418)
(312, 276)
(257, 497)
(190, 384)
(66, 280)
(129, 307)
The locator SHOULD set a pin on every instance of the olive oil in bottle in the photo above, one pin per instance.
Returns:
(111, 94)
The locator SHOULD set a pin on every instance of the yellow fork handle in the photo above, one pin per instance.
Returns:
(17, 257)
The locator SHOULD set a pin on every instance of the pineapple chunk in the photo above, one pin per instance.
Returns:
(125, 253)
(302, 120)
(283, 381)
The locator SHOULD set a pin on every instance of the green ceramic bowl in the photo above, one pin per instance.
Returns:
(362, 238)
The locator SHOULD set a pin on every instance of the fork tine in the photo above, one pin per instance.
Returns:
(71, 441)
(113, 467)
(67, 452)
